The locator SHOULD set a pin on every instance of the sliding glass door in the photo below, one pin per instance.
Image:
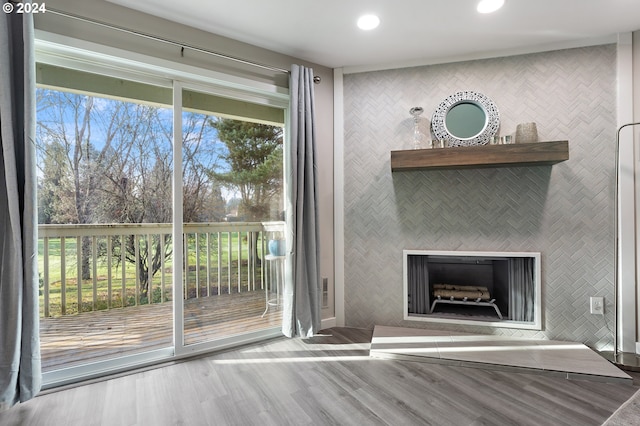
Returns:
(156, 205)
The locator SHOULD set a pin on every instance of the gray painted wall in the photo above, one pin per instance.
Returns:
(564, 211)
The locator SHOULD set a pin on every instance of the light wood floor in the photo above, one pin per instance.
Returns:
(93, 336)
(326, 380)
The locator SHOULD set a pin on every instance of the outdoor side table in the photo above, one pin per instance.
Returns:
(276, 280)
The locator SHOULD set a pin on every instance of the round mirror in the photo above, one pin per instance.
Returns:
(466, 118)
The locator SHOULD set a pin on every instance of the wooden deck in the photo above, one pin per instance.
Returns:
(93, 336)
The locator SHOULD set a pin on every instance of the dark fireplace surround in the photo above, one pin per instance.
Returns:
(494, 289)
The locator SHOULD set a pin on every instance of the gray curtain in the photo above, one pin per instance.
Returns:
(418, 284)
(301, 304)
(521, 288)
(20, 375)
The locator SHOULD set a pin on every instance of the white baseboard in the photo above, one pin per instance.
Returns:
(329, 322)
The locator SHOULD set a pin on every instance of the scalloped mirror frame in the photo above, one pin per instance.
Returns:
(491, 124)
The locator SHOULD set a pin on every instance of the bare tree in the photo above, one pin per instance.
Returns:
(65, 131)
(105, 161)
(201, 151)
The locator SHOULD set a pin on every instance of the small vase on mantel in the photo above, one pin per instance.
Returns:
(526, 133)
(419, 139)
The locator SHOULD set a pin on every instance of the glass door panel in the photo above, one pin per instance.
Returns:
(104, 196)
(232, 205)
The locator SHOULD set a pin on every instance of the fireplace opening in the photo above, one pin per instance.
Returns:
(495, 289)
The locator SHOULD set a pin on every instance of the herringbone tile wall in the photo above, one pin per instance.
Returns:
(564, 211)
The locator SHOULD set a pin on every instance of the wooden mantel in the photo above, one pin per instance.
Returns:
(513, 155)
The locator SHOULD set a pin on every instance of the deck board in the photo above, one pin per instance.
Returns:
(93, 336)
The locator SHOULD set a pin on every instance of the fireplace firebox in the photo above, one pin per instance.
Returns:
(497, 289)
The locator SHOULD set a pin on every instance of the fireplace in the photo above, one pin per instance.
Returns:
(495, 289)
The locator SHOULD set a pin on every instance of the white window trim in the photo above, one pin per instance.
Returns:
(69, 52)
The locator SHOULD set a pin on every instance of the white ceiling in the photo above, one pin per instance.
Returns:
(411, 31)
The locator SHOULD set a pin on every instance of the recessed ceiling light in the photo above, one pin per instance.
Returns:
(488, 6)
(368, 22)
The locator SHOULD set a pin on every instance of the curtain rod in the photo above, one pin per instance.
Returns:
(164, 40)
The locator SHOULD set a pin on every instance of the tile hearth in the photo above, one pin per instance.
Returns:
(565, 359)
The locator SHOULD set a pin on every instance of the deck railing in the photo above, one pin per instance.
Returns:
(103, 266)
